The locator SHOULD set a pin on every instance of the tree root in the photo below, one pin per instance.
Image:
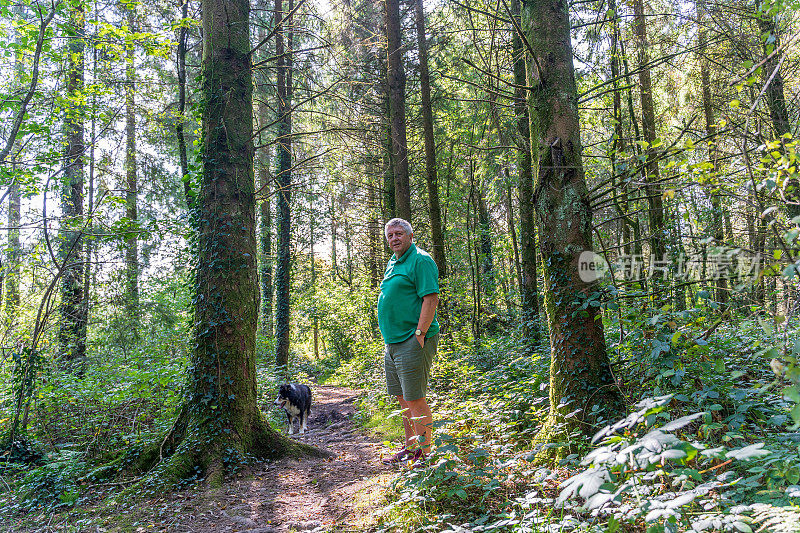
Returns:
(182, 457)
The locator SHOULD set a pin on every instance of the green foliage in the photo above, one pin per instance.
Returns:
(53, 485)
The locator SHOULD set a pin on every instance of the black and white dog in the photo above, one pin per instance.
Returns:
(295, 399)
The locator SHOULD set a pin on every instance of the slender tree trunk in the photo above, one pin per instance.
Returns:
(516, 268)
(89, 272)
(717, 225)
(283, 270)
(313, 233)
(776, 103)
(580, 372)
(437, 236)
(265, 232)
(527, 217)
(620, 194)
(348, 248)
(14, 207)
(180, 61)
(72, 328)
(651, 173)
(132, 189)
(266, 322)
(486, 255)
(396, 82)
(14, 253)
(374, 237)
(334, 235)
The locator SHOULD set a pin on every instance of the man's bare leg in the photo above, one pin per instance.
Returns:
(408, 426)
(422, 418)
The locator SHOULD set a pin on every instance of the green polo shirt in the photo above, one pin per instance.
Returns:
(404, 284)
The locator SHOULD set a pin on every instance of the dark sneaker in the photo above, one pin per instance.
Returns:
(419, 459)
(401, 456)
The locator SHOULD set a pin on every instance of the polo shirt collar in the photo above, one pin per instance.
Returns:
(411, 251)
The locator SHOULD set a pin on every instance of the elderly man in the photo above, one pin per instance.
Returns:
(407, 320)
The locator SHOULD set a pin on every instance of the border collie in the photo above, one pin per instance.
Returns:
(295, 400)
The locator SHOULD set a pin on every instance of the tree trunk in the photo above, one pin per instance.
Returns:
(283, 270)
(529, 289)
(220, 426)
(334, 235)
(14, 253)
(72, 327)
(265, 232)
(132, 189)
(14, 204)
(396, 83)
(266, 320)
(580, 372)
(776, 102)
(374, 237)
(437, 236)
(180, 62)
(221, 422)
(655, 201)
(717, 225)
(488, 282)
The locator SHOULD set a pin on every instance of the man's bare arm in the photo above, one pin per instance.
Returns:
(429, 304)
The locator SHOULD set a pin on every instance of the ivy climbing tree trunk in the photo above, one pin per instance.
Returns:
(396, 83)
(580, 372)
(221, 423)
(132, 188)
(72, 327)
(529, 289)
(283, 49)
(220, 426)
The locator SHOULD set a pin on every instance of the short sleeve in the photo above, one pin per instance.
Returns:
(427, 276)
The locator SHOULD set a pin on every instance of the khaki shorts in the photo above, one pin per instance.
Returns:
(408, 367)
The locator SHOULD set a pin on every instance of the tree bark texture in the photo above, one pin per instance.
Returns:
(529, 290)
(224, 421)
(396, 83)
(580, 372)
(72, 327)
(283, 49)
(437, 235)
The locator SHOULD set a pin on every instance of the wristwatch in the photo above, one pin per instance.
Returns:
(418, 332)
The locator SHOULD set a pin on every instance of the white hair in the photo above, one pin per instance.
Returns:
(405, 224)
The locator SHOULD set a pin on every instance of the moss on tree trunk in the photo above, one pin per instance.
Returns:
(221, 426)
(582, 388)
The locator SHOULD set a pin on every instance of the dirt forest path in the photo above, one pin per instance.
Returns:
(336, 494)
